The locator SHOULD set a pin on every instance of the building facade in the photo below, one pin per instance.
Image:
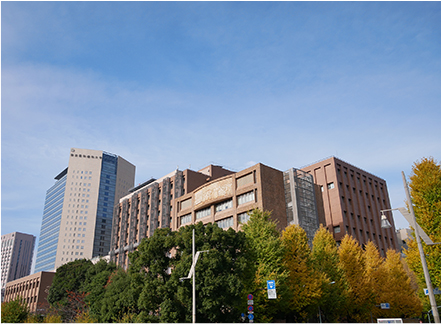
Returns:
(349, 202)
(301, 207)
(17, 254)
(77, 218)
(210, 195)
(33, 289)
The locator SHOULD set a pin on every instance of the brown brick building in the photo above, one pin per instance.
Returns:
(33, 289)
(350, 200)
(212, 194)
(331, 192)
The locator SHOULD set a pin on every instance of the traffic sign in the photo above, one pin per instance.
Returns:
(250, 316)
(250, 297)
(250, 308)
(250, 302)
(271, 286)
(436, 291)
(385, 306)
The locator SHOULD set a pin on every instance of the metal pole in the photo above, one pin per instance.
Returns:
(194, 283)
(422, 256)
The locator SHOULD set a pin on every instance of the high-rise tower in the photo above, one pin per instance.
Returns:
(77, 218)
(17, 253)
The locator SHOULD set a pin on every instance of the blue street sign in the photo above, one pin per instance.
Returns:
(250, 296)
(436, 291)
(242, 315)
(250, 316)
(271, 284)
(250, 308)
(271, 288)
(385, 306)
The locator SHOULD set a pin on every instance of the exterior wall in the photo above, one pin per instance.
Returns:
(351, 200)
(81, 226)
(34, 289)
(50, 225)
(167, 201)
(17, 252)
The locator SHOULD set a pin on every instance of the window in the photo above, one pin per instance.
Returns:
(203, 213)
(246, 197)
(336, 229)
(244, 180)
(185, 219)
(330, 185)
(243, 217)
(224, 205)
(225, 223)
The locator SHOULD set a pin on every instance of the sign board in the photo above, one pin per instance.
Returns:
(436, 291)
(250, 317)
(389, 320)
(271, 287)
(250, 308)
(250, 302)
(385, 306)
(250, 297)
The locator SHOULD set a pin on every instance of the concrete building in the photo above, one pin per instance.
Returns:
(33, 289)
(17, 253)
(349, 201)
(403, 235)
(77, 217)
(210, 195)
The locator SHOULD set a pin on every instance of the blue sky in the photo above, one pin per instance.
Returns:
(167, 84)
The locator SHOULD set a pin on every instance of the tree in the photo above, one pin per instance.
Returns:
(96, 279)
(425, 185)
(267, 252)
(14, 311)
(68, 278)
(397, 289)
(304, 282)
(360, 295)
(325, 259)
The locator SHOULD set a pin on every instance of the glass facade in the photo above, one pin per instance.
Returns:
(50, 226)
(106, 197)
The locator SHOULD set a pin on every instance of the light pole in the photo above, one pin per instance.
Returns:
(418, 232)
(191, 274)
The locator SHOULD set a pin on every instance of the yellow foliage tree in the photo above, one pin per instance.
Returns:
(397, 289)
(360, 294)
(304, 282)
(425, 185)
(325, 260)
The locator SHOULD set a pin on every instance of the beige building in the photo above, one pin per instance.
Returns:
(77, 220)
(210, 195)
(349, 201)
(33, 289)
(17, 252)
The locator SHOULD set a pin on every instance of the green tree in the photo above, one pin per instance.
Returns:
(14, 311)
(304, 282)
(68, 278)
(325, 259)
(267, 252)
(360, 294)
(120, 297)
(96, 279)
(425, 185)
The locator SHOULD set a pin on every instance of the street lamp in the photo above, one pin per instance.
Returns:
(191, 274)
(419, 233)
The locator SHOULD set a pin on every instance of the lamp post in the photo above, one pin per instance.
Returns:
(418, 232)
(191, 274)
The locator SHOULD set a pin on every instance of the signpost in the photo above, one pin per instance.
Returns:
(436, 291)
(250, 308)
(271, 287)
